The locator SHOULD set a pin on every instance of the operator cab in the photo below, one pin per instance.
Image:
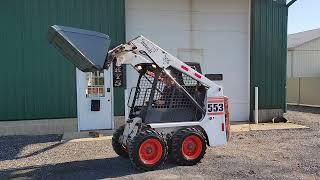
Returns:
(158, 99)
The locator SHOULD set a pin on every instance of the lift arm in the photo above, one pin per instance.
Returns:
(141, 50)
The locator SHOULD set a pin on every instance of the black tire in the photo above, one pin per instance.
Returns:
(141, 140)
(178, 155)
(117, 146)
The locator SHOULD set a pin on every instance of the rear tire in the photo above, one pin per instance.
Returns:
(118, 147)
(148, 150)
(188, 146)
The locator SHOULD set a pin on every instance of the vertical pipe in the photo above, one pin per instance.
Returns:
(256, 105)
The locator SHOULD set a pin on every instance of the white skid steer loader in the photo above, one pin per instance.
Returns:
(175, 111)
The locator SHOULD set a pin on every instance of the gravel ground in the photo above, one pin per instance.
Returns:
(276, 154)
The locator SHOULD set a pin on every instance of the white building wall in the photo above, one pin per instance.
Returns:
(212, 32)
(305, 60)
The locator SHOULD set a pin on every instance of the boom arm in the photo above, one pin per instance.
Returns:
(141, 50)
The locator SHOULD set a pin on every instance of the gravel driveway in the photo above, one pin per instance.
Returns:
(276, 154)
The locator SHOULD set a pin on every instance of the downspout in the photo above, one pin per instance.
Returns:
(291, 2)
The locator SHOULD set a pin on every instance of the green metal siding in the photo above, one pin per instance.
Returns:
(36, 81)
(268, 53)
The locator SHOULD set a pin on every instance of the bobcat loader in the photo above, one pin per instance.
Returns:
(175, 111)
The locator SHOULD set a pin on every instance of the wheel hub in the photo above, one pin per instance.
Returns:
(190, 146)
(148, 150)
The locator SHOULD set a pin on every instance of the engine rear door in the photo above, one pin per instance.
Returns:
(87, 50)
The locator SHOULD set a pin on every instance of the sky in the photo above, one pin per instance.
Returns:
(304, 15)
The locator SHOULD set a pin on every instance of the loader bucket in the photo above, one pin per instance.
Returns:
(87, 50)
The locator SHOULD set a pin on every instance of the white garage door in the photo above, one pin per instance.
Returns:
(212, 32)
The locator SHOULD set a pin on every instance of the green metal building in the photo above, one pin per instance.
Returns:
(37, 83)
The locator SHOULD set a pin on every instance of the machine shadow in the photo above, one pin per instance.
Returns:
(11, 146)
(88, 169)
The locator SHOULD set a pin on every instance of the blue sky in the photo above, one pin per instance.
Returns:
(304, 15)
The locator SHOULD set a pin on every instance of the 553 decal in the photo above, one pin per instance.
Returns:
(215, 106)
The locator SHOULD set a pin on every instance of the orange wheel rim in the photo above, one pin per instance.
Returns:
(150, 151)
(191, 147)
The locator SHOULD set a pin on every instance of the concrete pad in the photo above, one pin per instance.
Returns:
(74, 135)
(103, 138)
(265, 126)
(240, 128)
(273, 126)
(86, 134)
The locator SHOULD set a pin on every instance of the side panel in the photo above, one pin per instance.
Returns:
(268, 53)
(36, 82)
(214, 121)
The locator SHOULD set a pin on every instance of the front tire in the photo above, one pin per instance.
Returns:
(188, 146)
(118, 147)
(148, 150)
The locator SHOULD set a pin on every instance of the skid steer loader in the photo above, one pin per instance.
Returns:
(175, 111)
